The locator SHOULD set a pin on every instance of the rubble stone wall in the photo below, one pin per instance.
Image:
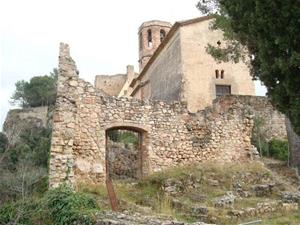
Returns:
(260, 107)
(171, 135)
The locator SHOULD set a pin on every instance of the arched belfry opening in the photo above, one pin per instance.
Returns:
(126, 153)
(162, 35)
(149, 38)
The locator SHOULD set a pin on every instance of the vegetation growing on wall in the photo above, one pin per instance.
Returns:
(275, 148)
(124, 136)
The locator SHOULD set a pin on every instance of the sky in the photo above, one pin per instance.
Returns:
(102, 36)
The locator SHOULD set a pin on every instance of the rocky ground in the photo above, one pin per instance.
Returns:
(266, 192)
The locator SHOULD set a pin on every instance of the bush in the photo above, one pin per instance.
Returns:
(278, 149)
(68, 207)
(27, 212)
(60, 206)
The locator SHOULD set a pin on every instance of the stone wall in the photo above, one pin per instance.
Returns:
(170, 134)
(274, 121)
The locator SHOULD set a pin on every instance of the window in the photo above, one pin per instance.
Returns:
(217, 74)
(222, 74)
(149, 37)
(141, 41)
(223, 90)
(162, 35)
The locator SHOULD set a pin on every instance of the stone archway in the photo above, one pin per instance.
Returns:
(137, 162)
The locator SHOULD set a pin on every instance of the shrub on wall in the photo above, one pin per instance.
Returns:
(278, 149)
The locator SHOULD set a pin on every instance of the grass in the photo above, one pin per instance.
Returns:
(210, 180)
(288, 218)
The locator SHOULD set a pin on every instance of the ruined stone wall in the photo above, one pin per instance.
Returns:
(110, 84)
(171, 135)
(273, 121)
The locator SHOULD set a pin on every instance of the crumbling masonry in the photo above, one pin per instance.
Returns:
(170, 134)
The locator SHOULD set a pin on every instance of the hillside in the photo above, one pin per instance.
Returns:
(266, 191)
(215, 194)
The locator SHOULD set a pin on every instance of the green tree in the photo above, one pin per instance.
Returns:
(270, 32)
(39, 91)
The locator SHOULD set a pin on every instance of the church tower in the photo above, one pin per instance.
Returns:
(151, 34)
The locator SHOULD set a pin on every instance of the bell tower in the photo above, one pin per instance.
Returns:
(151, 34)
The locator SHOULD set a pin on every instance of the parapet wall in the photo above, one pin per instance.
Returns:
(171, 135)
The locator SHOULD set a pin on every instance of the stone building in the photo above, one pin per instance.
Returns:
(174, 65)
(171, 105)
(169, 135)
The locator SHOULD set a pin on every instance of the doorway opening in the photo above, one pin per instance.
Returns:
(124, 153)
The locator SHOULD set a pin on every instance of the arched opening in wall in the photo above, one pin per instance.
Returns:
(222, 74)
(125, 153)
(141, 41)
(149, 38)
(162, 35)
(217, 74)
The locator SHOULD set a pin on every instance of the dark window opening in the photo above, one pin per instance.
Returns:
(222, 74)
(217, 74)
(223, 90)
(141, 41)
(149, 38)
(162, 35)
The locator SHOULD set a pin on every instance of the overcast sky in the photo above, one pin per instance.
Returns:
(102, 36)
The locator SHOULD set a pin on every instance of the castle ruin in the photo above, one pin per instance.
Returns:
(175, 126)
